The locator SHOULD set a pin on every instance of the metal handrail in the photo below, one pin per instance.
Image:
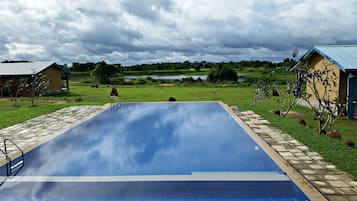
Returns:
(7, 165)
(115, 103)
(10, 161)
(10, 140)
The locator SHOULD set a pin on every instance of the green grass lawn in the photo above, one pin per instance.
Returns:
(331, 149)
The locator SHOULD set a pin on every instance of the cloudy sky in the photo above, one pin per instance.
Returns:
(150, 31)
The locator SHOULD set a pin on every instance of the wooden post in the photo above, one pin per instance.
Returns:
(351, 95)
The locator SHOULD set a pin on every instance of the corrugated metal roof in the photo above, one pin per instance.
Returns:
(343, 56)
(23, 68)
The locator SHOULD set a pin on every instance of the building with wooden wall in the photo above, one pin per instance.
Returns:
(342, 60)
(52, 73)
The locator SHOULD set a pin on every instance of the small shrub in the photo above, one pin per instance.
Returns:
(172, 99)
(188, 80)
(349, 143)
(79, 99)
(275, 92)
(302, 122)
(117, 80)
(142, 81)
(86, 81)
(277, 112)
(334, 134)
(131, 82)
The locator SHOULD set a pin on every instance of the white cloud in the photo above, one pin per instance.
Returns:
(133, 31)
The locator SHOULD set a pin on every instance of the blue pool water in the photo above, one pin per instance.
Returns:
(153, 151)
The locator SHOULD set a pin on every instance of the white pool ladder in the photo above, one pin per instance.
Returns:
(12, 166)
(115, 104)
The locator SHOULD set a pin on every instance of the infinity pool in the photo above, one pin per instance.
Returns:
(152, 151)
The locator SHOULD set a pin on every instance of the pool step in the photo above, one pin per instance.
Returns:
(19, 164)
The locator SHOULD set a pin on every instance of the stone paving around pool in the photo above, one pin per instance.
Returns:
(333, 183)
(37, 130)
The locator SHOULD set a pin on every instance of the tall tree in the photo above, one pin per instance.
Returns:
(103, 72)
(221, 73)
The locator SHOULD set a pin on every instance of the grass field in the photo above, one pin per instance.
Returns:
(331, 149)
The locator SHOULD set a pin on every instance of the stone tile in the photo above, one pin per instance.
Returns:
(299, 154)
(285, 154)
(352, 197)
(312, 153)
(294, 162)
(331, 177)
(353, 183)
(279, 148)
(328, 190)
(304, 148)
(307, 162)
(307, 171)
(346, 190)
(295, 151)
(304, 158)
(338, 184)
(330, 166)
(316, 167)
(320, 183)
(313, 177)
(316, 158)
(337, 198)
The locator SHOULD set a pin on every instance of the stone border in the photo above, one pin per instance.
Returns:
(34, 132)
(333, 183)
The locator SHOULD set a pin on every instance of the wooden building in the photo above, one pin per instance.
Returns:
(52, 73)
(342, 60)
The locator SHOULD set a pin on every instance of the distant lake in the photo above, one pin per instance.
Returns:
(168, 77)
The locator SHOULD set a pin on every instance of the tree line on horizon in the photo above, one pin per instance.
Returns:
(186, 65)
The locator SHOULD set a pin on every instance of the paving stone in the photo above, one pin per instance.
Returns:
(307, 171)
(316, 158)
(294, 162)
(339, 184)
(295, 151)
(320, 183)
(346, 190)
(304, 158)
(316, 167)
(331, 177)
(328, 190)
(286, 154)
(304, 148)
(299, 166)
(279, 148)
(352, 197)
(337, 198)
(330, 166)
(299, 154)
